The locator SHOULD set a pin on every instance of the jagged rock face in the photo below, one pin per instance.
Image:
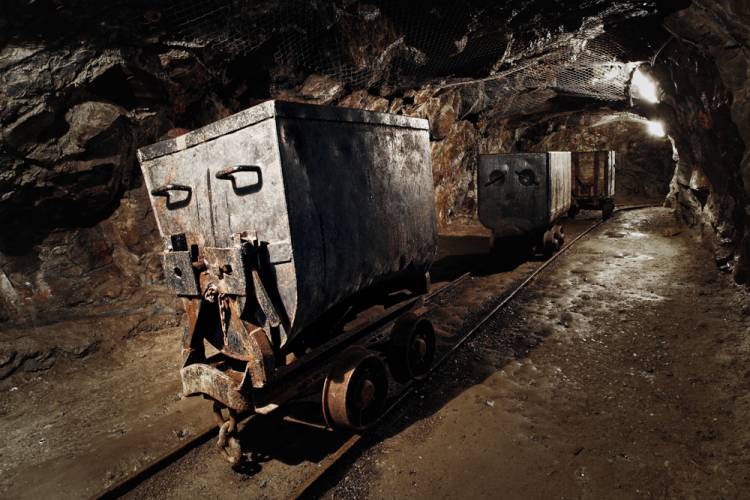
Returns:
(706, 184)
(77, 228)
(454, 167)
(79, 95)
(705, 75)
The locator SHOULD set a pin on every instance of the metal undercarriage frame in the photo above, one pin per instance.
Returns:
(248, 374)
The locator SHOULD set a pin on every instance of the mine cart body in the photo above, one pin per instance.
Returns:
(523, 194)
(593, 179)
(274, 216)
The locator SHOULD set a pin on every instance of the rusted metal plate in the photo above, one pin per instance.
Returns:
(593, 175)
(179, 274)
(226, 269)
(522, 193)
(559, 182)
(204, 379)
(337, 200)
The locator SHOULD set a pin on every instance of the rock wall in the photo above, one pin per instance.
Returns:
(705, 75)
(89, 243)
(77, 228)
(77, 98)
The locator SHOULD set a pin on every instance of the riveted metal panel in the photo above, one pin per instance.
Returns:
(512, 193)
(361, 203)
(179, 274)
(336, 200)
(593, 175)
(610, 193)
(520, 193)
(559, 184)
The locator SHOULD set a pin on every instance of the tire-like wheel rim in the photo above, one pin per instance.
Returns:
(560, 236)
(355, 391)
(421, 351)
(549, 244)
(366, 395)
(412, 348)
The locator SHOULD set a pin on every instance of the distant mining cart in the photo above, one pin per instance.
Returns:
(521, 198)
(593, 181)
(282, 223)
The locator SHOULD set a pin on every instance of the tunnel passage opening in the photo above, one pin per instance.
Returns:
(645, 162)
(646, 159)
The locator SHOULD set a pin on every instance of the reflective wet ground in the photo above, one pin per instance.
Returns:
(621, 373)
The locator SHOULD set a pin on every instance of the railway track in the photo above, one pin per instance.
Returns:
(326, 465)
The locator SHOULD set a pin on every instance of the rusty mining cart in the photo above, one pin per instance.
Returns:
(282, 224)
(521, 198)
(593, 181)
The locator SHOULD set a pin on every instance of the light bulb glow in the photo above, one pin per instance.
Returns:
(643, 87)
(655, 128)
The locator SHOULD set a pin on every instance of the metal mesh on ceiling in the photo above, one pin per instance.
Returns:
(366, 46)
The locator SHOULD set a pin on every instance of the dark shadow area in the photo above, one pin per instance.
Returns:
(458, 255)
(443, 386)
(284, 437)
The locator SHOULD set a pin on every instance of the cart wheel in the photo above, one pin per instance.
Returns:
(355, 391)
(411, 349)
(549, 244)
(608, 207)
(559, 235)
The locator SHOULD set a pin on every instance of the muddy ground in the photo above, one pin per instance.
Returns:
(623, 372)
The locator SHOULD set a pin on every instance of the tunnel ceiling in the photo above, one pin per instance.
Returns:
(522, 53)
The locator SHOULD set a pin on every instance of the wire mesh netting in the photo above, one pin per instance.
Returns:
(389, 42)
(588, 63)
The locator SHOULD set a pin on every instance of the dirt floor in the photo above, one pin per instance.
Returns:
(86, 401)
(85, 422)
(281, 456)
(635, 321)
(623, 372)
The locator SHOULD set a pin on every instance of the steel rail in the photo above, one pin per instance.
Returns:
(128, 483)
(303, 490)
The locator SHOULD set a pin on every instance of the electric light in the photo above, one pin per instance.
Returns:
(643, 87)
(655, 128)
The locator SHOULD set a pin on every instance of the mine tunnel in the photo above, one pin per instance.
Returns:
(383, 249)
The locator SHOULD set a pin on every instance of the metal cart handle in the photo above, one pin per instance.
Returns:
(227, 173)
(166, 188)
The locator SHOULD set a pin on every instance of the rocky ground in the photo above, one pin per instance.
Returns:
(281, 456)
(70, 431)
(621, 373)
